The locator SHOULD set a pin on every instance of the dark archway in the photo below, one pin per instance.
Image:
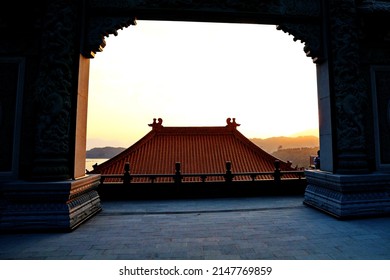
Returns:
(347, 39)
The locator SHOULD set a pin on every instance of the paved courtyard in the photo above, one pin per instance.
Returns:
(274, 228)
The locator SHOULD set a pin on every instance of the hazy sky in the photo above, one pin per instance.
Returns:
(199, 74)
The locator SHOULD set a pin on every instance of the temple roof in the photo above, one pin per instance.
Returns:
(202, 149)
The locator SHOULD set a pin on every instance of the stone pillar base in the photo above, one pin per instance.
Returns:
(348, 196)
(60, 206)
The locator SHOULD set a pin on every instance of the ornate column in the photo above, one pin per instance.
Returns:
(347, 185)
(53, 193)
(53, 94)
(349, 88)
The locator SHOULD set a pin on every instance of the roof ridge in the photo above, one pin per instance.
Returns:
(137, 145)
(193, 129)
(157, 125)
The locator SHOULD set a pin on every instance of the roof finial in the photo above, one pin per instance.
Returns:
(156, 125)
(232, 123)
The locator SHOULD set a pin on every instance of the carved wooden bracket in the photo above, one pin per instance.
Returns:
(298, 17)
(99, 27)
(310, 35)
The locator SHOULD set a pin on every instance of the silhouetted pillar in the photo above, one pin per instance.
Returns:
(277, 174)
(345, 185)
(178, 177)
(53, 191)
(228, 174)
(126, 175)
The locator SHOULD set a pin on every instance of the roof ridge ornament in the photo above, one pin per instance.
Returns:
(231, 123)
(156, 125)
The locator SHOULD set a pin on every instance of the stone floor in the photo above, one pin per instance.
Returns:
(272, 228)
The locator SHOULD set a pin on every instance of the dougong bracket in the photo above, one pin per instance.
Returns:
(99, 28)
(309, 35)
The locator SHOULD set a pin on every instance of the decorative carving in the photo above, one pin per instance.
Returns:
(350, 88)
(310, 34)
(374, 6)
(53, 90)
(268, 7)
(231, 123)
(49, 205)
(275, 7)
(156, 125)
(292, 8)
(272, 6)
(297, 11)
(101, 27)
(98, 26)
(348, 196)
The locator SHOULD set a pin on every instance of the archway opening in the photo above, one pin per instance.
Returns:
(198, 74)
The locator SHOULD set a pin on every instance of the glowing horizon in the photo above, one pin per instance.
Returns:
(199, 74)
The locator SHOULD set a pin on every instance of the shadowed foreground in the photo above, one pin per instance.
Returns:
(225, 228)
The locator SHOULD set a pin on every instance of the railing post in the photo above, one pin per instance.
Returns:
(126, 175)
(177, 178)
(228, 175)
(277, 174)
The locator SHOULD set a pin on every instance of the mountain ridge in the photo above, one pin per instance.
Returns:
(270, 145)
(273, 144)
(104, 152)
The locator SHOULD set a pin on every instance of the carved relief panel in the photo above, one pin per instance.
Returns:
(297, 17)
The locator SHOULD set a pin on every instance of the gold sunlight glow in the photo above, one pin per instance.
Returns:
(199, 74)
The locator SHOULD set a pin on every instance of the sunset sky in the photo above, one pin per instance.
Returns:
(199, 74)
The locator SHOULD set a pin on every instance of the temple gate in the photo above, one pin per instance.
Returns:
(44, 71)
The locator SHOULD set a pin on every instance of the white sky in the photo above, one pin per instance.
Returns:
(199, 74)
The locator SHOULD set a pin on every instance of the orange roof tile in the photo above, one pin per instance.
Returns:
(198, 149)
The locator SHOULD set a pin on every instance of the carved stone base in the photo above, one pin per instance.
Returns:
(46, 206)
(348, 196)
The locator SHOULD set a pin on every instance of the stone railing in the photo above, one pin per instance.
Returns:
(178, 177)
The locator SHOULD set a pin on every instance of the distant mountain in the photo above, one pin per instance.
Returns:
(106, 152)
(299, 157)
(273, 144)
(307, 132)
(270, 145)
